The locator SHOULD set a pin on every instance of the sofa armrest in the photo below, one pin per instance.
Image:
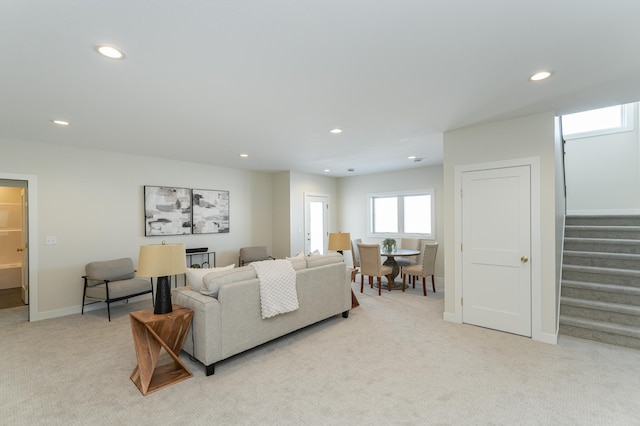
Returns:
(205, 331)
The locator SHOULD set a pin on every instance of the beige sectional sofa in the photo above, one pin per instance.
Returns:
(227, 316)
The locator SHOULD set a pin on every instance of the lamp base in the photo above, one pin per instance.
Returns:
(163, 296)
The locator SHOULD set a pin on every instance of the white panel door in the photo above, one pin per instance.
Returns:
(496, 245)
(316, 223)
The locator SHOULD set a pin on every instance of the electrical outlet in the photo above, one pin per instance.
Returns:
(51, 240)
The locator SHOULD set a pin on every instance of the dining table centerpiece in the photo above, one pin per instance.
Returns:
(389, 245)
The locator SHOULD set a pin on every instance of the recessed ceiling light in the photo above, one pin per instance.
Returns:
(335, 131)
(542, 75)
(244, 155)
(110, 51)
(327, 170)
(60, 122)
(412, 157)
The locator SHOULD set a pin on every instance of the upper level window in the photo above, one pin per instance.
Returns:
(598, 122)
(402, 214)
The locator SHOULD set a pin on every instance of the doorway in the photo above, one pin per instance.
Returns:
(13, 243)
(30, 235)
(532, 263)
(316, 223)
(496, 241)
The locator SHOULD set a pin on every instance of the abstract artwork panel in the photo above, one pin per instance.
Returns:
(167, 210)
(210, 211)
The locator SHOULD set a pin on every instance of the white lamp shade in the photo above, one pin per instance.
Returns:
(161, 260)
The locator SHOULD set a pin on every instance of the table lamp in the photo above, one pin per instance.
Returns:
(162, 260)
(339, 241)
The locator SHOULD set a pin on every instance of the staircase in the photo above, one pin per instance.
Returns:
(600, 298)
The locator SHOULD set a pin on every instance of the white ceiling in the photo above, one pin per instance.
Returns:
(207, 80)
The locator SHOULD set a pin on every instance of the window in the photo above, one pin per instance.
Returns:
(598, 122)
(402, 214)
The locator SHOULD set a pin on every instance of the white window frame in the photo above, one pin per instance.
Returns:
(401, 234)
(628, 125)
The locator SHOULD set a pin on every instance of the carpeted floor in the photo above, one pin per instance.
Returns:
(394, 361)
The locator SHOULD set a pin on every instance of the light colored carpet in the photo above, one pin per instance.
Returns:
(394, 361)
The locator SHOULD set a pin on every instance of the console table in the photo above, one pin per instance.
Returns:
(151, 333)
(202, 253)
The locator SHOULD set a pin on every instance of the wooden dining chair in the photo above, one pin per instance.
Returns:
(371, 265)
(423, 270)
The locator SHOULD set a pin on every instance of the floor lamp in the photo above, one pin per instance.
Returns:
(162, 260)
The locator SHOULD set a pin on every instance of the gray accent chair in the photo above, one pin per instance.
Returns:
(253, 254)
(111, 281)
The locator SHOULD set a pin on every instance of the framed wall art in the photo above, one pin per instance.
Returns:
(167, 211)
(210, 211)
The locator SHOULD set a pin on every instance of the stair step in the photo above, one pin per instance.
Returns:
(602, 245)
(602, 260)
(608, 276)
(603, 220)
(601, 326)
(600, 336)
(600, 311)
(604, 306)
(616, 232)
(601, 292)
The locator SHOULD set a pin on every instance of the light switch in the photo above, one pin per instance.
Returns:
(51, 240)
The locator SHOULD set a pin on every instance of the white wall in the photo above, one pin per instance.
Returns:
(603, 173)
(281, 201)
(353, 201)
(93, 202)
(531, 136)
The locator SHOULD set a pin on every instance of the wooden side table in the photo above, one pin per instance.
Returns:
(151, 333)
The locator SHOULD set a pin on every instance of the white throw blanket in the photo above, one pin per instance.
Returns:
(277, 287)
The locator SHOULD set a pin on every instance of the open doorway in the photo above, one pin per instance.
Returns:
(14, 259)
(316, 223)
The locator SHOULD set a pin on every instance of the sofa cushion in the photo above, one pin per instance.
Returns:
(213, 280)
(298, 262)
(323, 259)
(194, 276)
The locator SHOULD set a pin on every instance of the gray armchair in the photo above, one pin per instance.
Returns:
(113, 280)
(253, 254)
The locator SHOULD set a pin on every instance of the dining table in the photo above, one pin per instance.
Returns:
(391, 261)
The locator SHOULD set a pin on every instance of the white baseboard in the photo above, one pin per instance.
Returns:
(88, 308)
(451, 317)
(547, 338)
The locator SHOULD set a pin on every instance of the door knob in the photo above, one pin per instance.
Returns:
(524, 259)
